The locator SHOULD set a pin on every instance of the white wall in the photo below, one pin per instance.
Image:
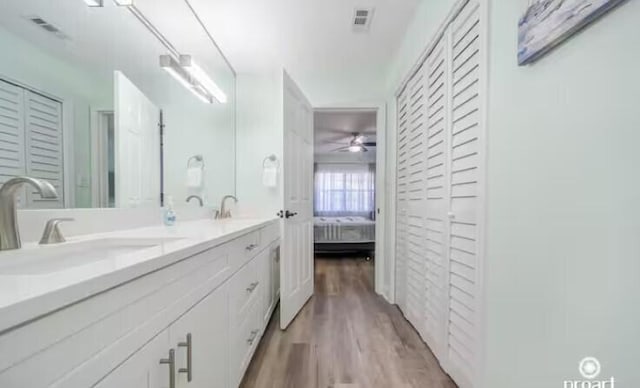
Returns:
(79, 89)
(259, 134)
(564, 237)
(192, 128)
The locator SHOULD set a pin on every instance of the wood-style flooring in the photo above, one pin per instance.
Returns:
(345, 337)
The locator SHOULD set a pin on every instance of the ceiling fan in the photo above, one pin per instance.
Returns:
(356, 144)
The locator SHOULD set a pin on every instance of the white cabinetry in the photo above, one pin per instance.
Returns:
(203, 316)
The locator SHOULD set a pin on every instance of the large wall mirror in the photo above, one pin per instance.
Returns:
(87, 87)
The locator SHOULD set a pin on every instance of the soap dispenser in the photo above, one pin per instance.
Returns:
(169, 216)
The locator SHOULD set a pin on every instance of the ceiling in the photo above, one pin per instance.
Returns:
(335, 129)
(313, 40)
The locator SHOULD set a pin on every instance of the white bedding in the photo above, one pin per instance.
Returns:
(344, 229)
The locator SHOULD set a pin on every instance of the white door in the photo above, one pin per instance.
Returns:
(401, 201)
(296, 265)
(437, 129)
(466, 156)
(143, 369)
(137, 146)
(200, 339)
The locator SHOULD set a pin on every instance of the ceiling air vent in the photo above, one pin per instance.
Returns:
(362, 19)
(45, 25)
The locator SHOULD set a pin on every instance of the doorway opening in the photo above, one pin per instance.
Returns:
(348, 186)
(103, 156)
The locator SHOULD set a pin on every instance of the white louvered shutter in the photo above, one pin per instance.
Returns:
(416, 199)
(401, 200)
(43, 124)
(465, 158)
(435, 306)
(12, 148)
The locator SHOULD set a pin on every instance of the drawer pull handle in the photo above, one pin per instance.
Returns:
(251, 247)
(189, 369)
(171, 361)
(252, 286)
(253, 336)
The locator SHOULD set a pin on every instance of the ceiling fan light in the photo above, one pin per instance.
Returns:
(355, 148)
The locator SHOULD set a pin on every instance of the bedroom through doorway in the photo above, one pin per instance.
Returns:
(345, 181)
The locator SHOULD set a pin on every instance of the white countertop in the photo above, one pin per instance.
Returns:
(24, 297)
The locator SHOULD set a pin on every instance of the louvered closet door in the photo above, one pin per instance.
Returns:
(401, 200)
(12, 149)
(43, 122)
(437, 123)
(465, 158)
(416, 200)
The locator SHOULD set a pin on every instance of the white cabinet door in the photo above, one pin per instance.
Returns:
(266, 284)
(297, 237)
(202, 332)
(143, 369)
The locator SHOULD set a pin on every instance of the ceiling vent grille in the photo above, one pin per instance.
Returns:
(362, 19)
(45, 25)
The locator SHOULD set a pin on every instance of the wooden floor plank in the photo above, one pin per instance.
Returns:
(345, 337)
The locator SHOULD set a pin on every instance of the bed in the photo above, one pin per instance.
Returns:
(344, 235)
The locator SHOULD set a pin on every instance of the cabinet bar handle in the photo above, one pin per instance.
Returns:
(251, 247)
(252, 286)
(189, 369)
(171, 361)
(253, 336)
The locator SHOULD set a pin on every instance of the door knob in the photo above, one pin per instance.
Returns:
(289, 214)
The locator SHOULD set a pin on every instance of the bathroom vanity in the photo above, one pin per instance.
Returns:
(155, 307)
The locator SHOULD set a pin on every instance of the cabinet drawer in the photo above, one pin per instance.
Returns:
(244, 340)
(244, 248)
(244, 288)
(270, 233)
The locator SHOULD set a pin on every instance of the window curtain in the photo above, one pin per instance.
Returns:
(344, 190)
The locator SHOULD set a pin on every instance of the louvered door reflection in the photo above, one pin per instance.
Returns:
(12, 149)
(31, 142)
(401, 200)
(465, 157)
(43, 123)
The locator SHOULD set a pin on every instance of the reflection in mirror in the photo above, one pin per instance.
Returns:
(85, 93)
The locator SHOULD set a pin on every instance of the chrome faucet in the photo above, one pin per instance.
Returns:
(52, 233)
(9, 233)
(189, 198)
(223, 212)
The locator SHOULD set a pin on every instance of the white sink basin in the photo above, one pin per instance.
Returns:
(52, 258)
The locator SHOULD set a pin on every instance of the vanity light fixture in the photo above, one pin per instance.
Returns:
(201, 77)
(171, 66)
(94, 3)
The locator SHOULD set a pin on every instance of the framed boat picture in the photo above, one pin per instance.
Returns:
(547, 23)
